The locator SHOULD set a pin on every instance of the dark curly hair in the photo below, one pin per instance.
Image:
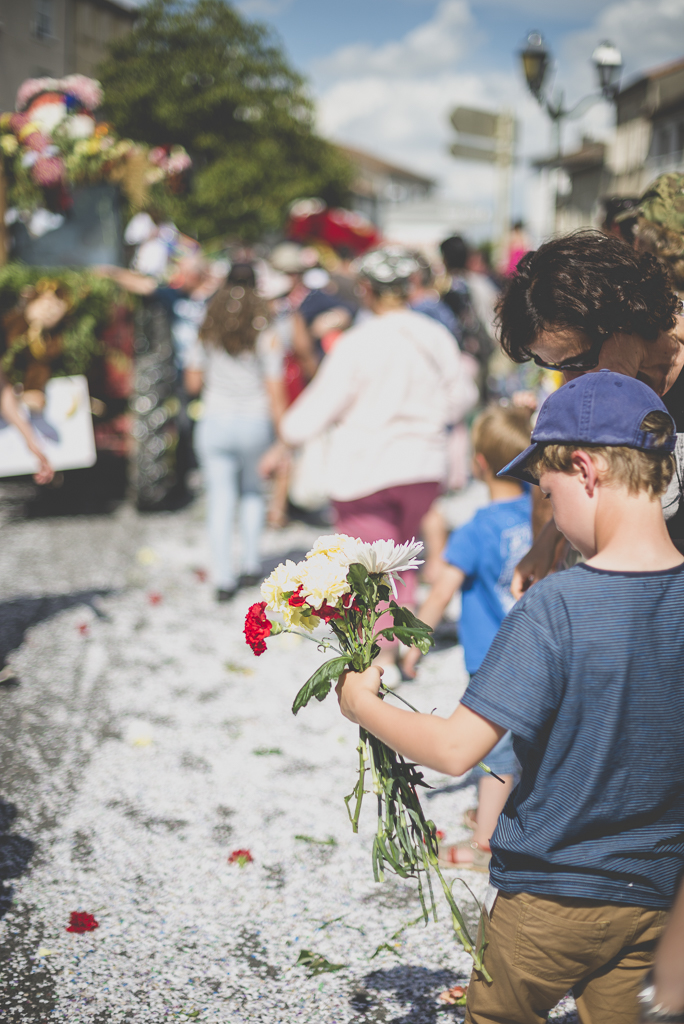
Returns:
(589, 282)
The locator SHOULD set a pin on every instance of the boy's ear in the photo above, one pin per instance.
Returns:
(482, 462)
(585, 467)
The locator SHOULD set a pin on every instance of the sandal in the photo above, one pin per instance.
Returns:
(447, 857)
(470, 818)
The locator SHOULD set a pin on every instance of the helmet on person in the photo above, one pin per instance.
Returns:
(388, 268)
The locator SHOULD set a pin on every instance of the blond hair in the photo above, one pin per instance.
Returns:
(500, 433)
(637, 470)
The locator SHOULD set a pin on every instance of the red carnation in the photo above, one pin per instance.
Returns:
(297, 600)
(327, 612)
(80, 922)
(257, 627)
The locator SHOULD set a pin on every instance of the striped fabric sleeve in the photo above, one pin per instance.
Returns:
(520, 683)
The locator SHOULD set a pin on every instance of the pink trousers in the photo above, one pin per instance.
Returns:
(391, 514)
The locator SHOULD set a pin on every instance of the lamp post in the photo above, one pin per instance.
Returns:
(536, 61)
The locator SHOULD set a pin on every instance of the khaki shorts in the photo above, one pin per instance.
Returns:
(540, 947)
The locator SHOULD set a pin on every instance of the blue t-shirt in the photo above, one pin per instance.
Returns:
(487, 550)
(587, 672)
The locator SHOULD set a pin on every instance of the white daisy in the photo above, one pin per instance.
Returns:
(384, 556)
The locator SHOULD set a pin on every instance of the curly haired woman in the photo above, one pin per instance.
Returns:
(587, 302)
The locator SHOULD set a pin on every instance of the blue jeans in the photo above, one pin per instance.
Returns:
(229, 449)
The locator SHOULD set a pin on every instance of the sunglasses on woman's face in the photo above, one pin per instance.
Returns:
(588, 360)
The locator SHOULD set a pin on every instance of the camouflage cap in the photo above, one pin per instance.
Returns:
(662, 203)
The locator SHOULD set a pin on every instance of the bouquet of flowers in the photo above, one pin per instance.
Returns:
(348, 585)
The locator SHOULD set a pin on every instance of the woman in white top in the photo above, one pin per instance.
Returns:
(238, 366)
(390, 388)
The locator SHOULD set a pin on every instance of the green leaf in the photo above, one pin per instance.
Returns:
(405, 617)
(318, 685)
(316, 964)
(420, 638)
(384, 946)
(330, 841)
(360, 582)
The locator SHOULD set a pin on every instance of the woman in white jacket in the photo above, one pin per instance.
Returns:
(390, 388)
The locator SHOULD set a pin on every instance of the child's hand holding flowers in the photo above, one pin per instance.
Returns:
(348, 585)
(352, 685)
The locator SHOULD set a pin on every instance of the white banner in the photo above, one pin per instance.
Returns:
(64, 430)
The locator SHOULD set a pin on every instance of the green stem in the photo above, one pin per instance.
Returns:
(358, 790)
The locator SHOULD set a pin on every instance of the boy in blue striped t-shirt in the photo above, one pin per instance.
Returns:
(586, 672)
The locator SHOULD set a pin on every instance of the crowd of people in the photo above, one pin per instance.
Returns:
(406, 396)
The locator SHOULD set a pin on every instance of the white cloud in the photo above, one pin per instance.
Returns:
(648, 32)
(394, 99)
(432, 46)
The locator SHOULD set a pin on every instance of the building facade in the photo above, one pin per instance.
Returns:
(379, 186)
(648, 141)
(56, 38)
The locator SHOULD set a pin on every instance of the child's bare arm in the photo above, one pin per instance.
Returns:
(450, 745)
(449, 580)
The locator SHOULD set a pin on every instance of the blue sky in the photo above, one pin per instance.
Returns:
(386, 73)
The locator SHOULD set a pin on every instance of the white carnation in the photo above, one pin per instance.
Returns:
(283, 580)
(323, 579)
(337, 546)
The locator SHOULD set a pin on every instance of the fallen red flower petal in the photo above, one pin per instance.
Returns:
(240, 857)
(80, 922)
(257, 627)
(201, 575)
(83, 628)
(154, 598)
(455, 996)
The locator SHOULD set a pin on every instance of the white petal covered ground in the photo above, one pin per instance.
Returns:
(181, 748)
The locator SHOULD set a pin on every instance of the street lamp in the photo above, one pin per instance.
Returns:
(608, 63)
(536, 60)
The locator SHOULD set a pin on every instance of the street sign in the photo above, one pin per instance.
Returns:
(464, 152)
(488, 138)
(475, 122)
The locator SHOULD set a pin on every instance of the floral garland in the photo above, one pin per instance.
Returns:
(91, 300)
(53, 142)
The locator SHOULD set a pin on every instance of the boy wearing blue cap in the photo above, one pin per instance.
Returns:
(586, 671)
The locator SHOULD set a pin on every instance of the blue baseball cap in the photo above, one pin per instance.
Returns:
(603, 408)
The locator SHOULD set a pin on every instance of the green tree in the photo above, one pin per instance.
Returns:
(201, 76)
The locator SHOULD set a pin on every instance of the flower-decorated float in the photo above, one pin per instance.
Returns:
(68, 184)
